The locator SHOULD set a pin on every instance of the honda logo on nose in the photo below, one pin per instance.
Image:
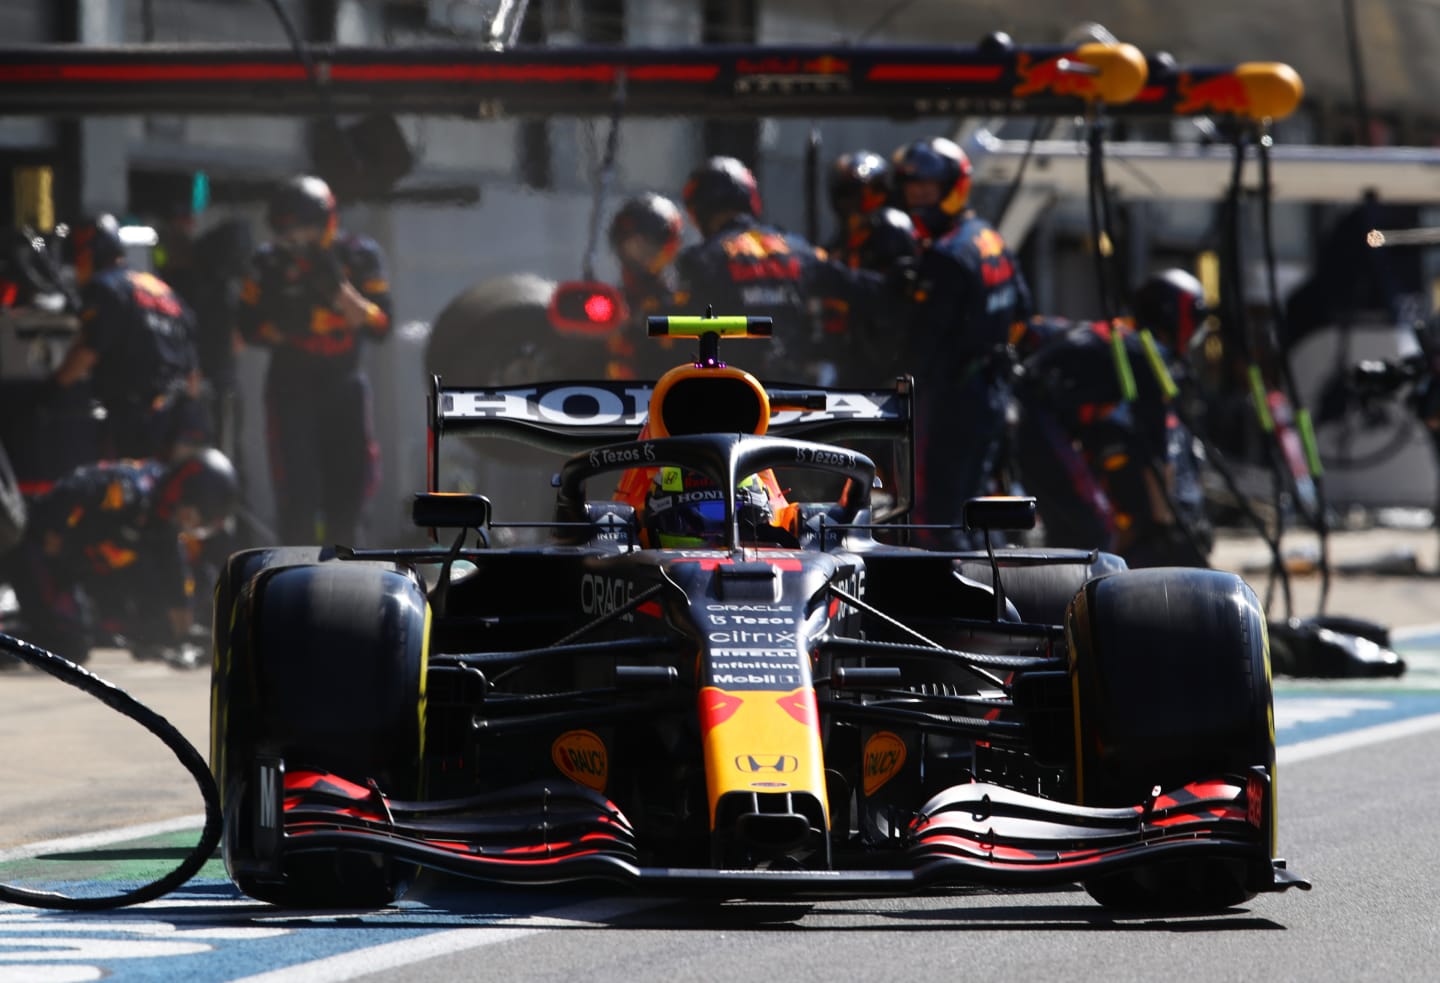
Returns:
(767, 762)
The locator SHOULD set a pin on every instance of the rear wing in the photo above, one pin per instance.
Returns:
(576, 416)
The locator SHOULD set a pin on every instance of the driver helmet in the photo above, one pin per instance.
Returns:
(304, 202)
(686, 510)
(198, 492)
(645, 232)
(718, 186)
(936, 160)
(94, 245)
(1171, 304)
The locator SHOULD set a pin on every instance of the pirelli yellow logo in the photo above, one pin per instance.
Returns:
(581, 756)
(883, 758)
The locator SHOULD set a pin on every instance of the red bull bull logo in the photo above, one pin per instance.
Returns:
(989, 243)
(1222, 94)
(1057, 76)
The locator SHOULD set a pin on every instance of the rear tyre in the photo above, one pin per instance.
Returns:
(1041, 583)
(325, 672)
(1172, 684)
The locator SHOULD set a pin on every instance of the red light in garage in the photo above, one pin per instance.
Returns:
(599, 308)
(587, 308)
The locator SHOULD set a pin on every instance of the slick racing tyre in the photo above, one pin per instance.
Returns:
(1171, 673)
(325, 672)
(237, 572)
(1041, 583)
(496, 332)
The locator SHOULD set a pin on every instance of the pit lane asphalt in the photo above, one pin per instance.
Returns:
(1359, 823)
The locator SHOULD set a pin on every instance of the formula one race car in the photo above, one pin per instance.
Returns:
(735, 677)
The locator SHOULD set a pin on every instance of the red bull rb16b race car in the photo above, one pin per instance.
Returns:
(723, 670)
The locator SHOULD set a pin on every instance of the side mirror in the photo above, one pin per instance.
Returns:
(1000, 512)
(587, 307)
(450, 510)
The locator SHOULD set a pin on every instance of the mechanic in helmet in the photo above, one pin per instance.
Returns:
(645, 238)
(1171, 305)
(858, 185)
(1101, 446)
(745, 266)
(136, 346)
(968, 293)
(889, 248)
(686, 510)
(108, 548)
(315, 296)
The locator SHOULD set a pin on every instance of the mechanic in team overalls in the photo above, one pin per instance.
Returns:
(645, 237)
(968, 294)
(744, 266)
(136, 345)
(1100, 446)
(107, 552)
(1171, 305)
(858, 184)
(315, 296)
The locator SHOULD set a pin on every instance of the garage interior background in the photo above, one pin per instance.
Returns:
(501, 196)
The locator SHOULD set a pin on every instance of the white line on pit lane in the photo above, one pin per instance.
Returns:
(1335, 743)
(397, 955)
(90, 841)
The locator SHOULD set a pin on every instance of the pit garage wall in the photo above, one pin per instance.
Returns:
(24, 22)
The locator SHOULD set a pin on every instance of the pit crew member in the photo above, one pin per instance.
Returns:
(315, 296)
(106, 551)
(746, 266)
(858, 184)
(1101, 447)
(970, 292)
(645, 237)
(136, 346)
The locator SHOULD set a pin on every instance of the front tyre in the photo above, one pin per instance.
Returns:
(1171, 677)
(326, 672)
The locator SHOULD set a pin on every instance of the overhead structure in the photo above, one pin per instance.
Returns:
(990, 79)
